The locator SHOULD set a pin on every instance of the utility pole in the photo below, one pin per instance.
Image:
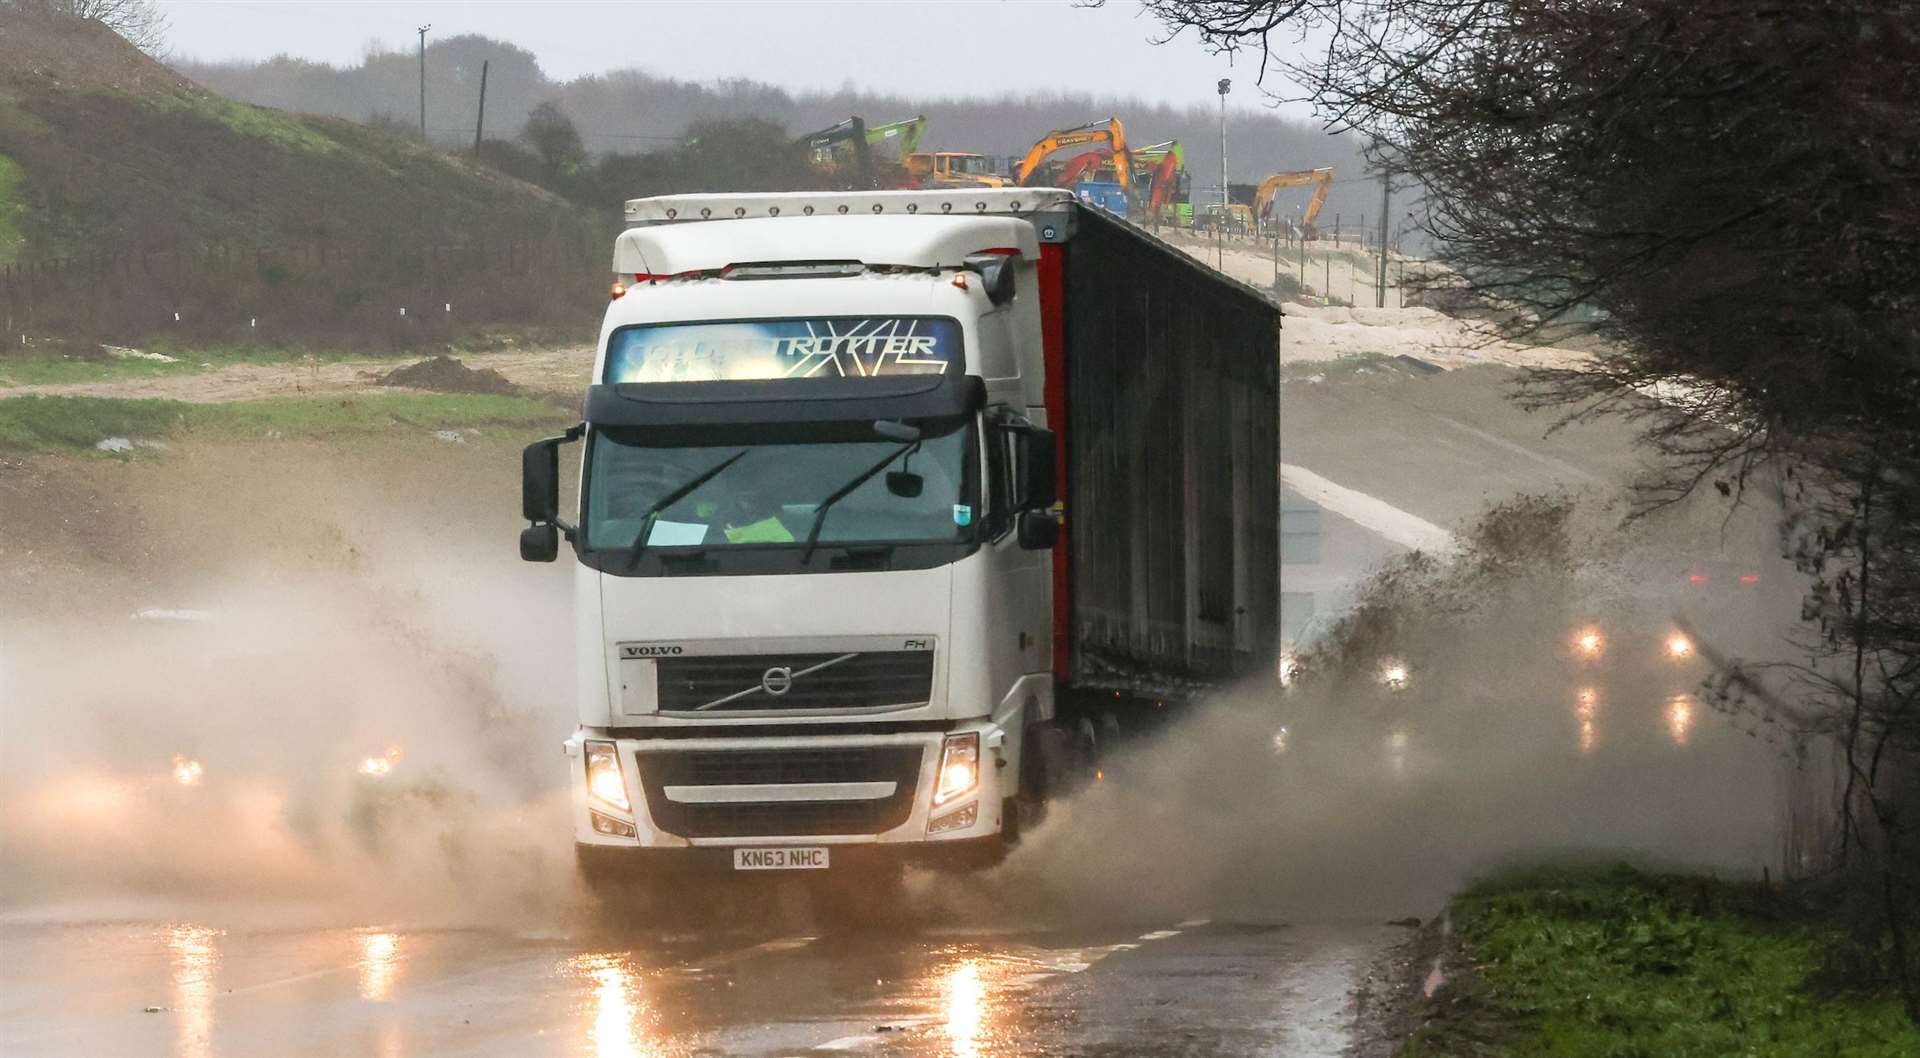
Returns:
(480, 121)
(423, 81)
(1386, 193)
(1225, 86)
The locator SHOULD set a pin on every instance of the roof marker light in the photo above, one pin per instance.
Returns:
(843, 209)
(877, 207)
(913, 207)
(808, 210)
(617, 291)
(773, 211)
(672, 213)
(946, 207)
(705, 213)
(739, 211)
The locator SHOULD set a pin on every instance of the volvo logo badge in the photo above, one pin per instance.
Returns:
(777, 680)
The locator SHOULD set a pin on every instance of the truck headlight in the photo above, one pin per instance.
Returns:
(605, 784)
(959, 768)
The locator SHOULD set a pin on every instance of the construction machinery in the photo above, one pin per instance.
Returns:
(905, 135)
(832, 147)
(1321, 179)
(1158, 176)
(934, 169)
(1109, 132)
(1167, 186)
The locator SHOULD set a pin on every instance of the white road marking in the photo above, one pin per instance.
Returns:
(1369, 512)
(770, 947)
(1160, 934)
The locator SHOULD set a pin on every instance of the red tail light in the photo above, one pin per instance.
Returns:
(1749, 578)
(1696, 578)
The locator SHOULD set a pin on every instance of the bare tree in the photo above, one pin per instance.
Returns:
(1727, 192)
(141, 22)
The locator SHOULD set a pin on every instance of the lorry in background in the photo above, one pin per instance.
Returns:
(893, 508)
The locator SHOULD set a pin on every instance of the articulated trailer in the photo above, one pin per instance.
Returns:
(892, 507)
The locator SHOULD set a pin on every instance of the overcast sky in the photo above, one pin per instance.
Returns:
(914, 47)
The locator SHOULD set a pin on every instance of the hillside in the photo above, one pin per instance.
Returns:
(110, 158)
(631, 110)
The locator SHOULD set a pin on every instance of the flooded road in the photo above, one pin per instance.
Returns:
(192, 991)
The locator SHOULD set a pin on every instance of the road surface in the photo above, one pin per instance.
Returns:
(192, 991)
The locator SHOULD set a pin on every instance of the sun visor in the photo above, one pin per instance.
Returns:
(784, 400)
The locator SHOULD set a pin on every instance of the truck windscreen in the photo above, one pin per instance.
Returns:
(826, 347)
(767, 494)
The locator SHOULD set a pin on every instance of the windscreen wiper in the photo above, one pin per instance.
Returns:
(820, 510)
(639, 544)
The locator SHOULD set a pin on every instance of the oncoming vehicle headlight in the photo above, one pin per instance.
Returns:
(605, 784)
(1679, 646)
(959, 768)
(1394, 675)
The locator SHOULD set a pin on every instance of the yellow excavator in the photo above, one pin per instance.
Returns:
(950, 169)
(1109, 132)
(1321, 178)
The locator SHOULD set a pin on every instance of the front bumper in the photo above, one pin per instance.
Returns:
(720, 793)
(625, 863)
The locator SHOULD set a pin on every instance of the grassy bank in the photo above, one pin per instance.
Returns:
(70, 423)
(1590, 963)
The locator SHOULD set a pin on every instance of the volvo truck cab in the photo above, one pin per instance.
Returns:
(811, 552)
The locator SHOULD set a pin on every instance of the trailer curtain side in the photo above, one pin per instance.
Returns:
(1171, 452)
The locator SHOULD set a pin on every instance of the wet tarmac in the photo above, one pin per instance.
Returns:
(181, 989)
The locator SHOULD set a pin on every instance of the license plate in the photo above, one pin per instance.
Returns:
(787, 858)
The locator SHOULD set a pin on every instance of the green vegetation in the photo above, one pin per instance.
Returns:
(9, 208)
(1592, 963)
(275, 126)
(54, 423)
(70, 365)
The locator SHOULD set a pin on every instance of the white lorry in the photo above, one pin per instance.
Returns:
(893, 506)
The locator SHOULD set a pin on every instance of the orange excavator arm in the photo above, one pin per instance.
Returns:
(1081, 164)
(1321, 178)
(1109, 132)
(1163, 181)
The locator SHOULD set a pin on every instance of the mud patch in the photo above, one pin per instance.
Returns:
(1396, 999)
(445, 374)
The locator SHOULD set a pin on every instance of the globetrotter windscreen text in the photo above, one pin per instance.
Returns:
(843, 347)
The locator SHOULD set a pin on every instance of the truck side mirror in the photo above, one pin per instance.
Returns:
(540, 496)
(540, 543)
(1037, 530)
(540, 481)
(996, 274)
(1037, 454)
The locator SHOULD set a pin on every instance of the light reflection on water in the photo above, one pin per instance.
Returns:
(1680, 718)
(1586, 708)
(195, 959)
(379, 965)
(966, 1009)
(618, 1011)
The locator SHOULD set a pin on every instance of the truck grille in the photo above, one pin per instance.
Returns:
(662, 768)
(842, 680)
